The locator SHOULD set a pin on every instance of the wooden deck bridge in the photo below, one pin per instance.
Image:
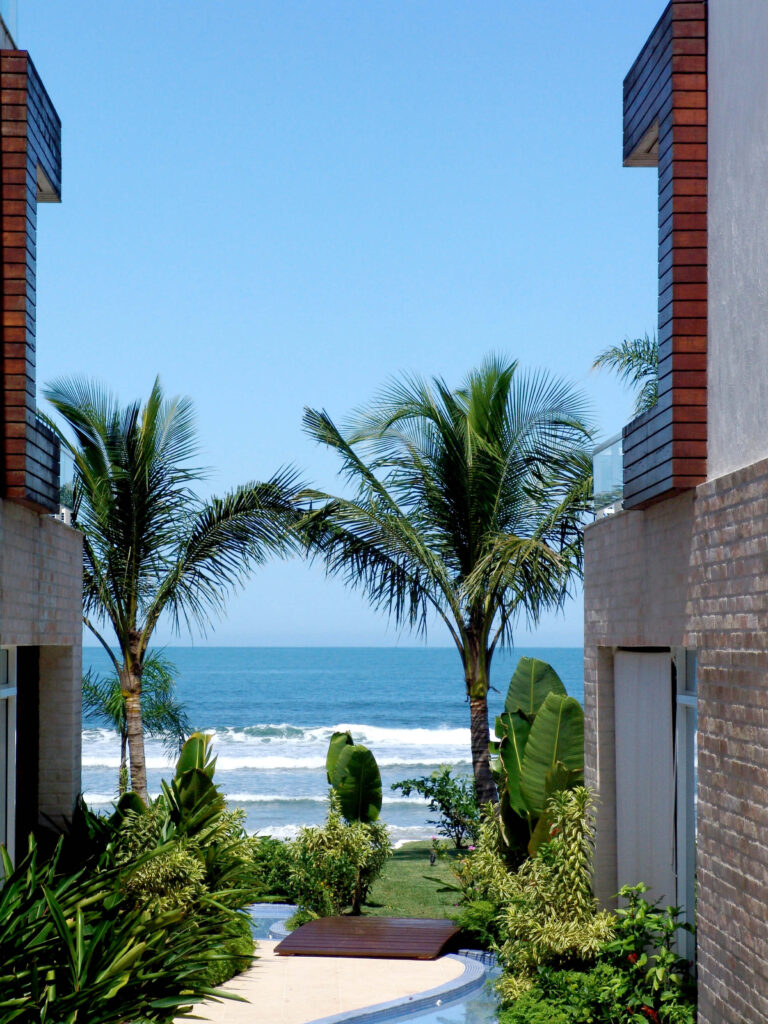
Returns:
(396, 938)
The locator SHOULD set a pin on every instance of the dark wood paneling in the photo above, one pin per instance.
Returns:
(665, 449)
(394, 938)
(30, 138)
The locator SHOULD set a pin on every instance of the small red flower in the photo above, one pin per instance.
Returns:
(632, 957)
(650, 1014)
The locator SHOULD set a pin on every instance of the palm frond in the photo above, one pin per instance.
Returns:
(447, 510)
(636, 363)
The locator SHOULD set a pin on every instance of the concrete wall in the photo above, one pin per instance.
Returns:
(737, 364)
(41, 606)
(693, 572)
(635, 595)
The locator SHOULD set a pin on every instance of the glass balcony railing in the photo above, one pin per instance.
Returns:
(608, 476)
(66, 486)
(10, 15)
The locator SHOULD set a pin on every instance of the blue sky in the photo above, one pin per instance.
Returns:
(283, 204)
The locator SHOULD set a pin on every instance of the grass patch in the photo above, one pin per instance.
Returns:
(407, 886)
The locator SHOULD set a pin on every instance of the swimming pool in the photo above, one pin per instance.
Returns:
(268, 919)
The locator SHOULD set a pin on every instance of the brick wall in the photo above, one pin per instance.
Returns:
(693, 572)
(40, 606)
(728, 603)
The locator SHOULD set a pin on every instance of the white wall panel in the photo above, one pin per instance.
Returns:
(645, 778)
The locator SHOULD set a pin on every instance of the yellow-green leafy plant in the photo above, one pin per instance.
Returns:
(334, 866)
(484, 881)
(551, 917)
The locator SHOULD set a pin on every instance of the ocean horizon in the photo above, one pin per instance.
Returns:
(272, 710)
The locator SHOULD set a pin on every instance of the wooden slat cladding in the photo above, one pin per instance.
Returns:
(665, 125)
(30, 158)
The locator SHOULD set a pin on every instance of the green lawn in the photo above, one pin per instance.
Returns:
(407, 887)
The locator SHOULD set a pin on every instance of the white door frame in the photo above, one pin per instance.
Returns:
(8, 681)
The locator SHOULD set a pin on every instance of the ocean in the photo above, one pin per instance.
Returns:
(271, 712)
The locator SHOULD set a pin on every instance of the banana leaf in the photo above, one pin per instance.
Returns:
(339, 740)
(557, 734)
(511, 752)
(557, 778)
(196, 754)
(357, 782)
(529, 686)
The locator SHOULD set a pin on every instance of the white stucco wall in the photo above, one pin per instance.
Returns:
(738, 235)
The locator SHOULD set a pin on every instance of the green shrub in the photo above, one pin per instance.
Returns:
(453, 798)
(334, 866)
(235, 950)
(484, 883)
(77, 948)
(636, 976)
(300, 917)
(551, 918)
(272, 860)
(160, 889)
(533, 1007)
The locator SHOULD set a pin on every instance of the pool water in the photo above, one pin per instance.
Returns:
(479, 1007)
(264, 917)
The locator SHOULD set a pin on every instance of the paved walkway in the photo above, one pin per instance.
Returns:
(301, 989)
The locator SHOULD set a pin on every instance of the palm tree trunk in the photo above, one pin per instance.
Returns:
(476, 663)
(130, 680)
(122, 783)
(485, 787)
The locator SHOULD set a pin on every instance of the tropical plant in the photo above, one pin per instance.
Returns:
(636, 977)
(467, 504)
(550, 917)
(484, 883)
(82, 948)
(334, 866)
(272, 861)
(636, 362)
(162, 715)
(450, 796)
(540, 751)
(354, 774)
(151, 545)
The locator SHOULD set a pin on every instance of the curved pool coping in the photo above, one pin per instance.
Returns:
(471, 978)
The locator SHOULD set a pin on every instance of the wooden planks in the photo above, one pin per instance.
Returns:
(665, 125)
(395, 938)
(30, 157)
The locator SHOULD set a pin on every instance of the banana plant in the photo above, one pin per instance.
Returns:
(539, 750)
(355, 777)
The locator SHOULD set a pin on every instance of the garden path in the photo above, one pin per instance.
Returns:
(301, 989)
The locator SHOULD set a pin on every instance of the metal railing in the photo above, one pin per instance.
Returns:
(608, 476)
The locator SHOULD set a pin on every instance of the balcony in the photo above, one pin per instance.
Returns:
(608, 476)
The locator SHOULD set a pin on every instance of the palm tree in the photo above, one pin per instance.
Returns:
(162, 715)
(636, 362)
(151, 546)
(465, 503)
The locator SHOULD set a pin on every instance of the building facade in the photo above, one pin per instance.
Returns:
(40, 557)
(676, 590)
